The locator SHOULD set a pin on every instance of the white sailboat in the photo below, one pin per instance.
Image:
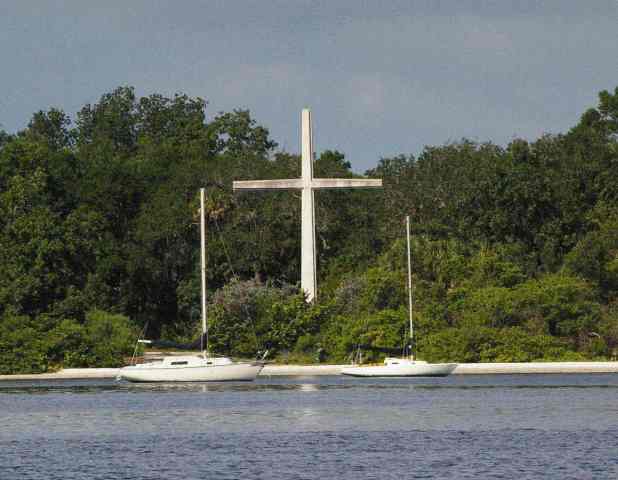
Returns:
(404, 366)
(194, 368)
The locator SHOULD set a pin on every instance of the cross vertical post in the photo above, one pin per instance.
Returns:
(308, 277)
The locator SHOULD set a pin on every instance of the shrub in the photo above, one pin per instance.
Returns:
(22, 346)
(111, 338)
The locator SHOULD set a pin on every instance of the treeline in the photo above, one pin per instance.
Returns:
(514, 251)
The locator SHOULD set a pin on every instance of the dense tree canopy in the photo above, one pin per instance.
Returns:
(514, 252)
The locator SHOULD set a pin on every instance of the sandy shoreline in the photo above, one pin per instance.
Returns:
(316, 370)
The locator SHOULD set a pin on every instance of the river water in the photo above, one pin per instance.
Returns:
(494, 426)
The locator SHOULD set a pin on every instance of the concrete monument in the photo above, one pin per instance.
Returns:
(307, 185)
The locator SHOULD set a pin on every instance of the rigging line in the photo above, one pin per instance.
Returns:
(141, 334)
(225, 250)
(229, 260)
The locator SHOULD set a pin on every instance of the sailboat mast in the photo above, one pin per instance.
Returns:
(409, 284)
(203, 270)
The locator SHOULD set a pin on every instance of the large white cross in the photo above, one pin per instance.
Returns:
(307, 184)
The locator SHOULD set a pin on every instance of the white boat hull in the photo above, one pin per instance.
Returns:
(166, 372)
(401, 368)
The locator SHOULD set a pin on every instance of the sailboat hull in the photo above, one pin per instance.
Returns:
(234, 372)
(401, 369)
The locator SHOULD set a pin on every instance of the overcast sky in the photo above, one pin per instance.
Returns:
(381, 77)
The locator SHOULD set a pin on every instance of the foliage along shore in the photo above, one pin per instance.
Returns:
(514, 251)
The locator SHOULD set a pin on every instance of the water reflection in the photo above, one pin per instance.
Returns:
(308, 387)
(316, 384)
(40, 389)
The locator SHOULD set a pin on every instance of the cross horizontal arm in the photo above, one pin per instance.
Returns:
(293, 183)
(322, 183)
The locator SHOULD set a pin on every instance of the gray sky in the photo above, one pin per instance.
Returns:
(381, 77)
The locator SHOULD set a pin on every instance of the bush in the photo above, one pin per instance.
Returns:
(249, 317)
(483, 344)
(67, 345)
(22, 346)
(110, 337)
